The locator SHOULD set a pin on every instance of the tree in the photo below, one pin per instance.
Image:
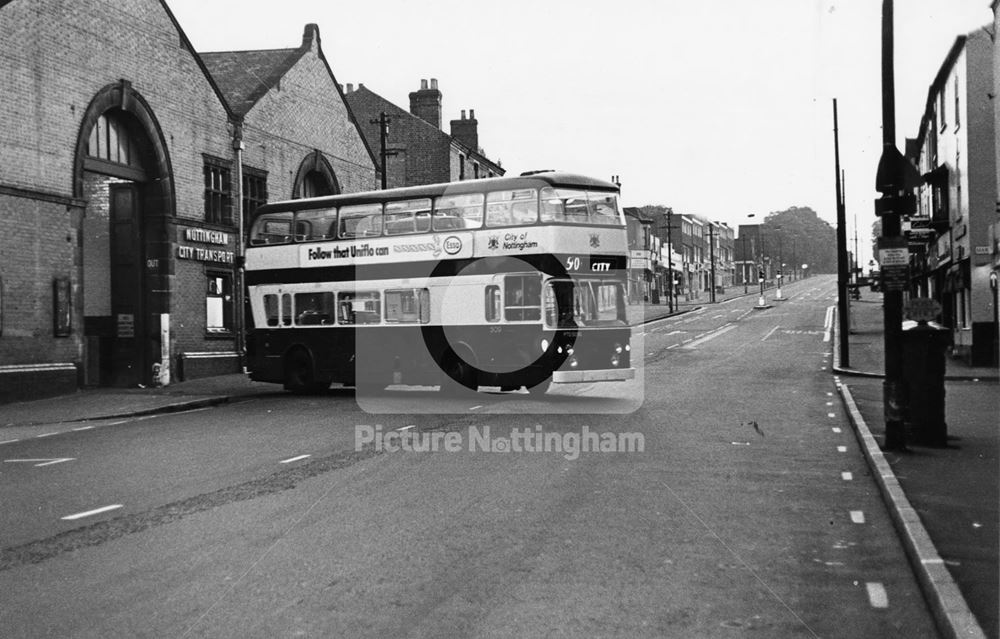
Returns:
(799, 236)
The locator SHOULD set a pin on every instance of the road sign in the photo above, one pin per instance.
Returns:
(894, 260)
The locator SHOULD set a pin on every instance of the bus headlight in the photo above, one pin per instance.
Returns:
(615, 360)
(618, 349)
(569, 350)
(559, 349)
(544, 344)
(628, 347)
(573, 363)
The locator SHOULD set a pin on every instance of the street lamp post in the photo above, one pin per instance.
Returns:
(670, 261)
(744, 265)
(781, 266)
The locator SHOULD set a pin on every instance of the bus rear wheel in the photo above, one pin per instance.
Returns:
(299, 376)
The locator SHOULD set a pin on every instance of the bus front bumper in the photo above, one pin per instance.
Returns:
(604, 375)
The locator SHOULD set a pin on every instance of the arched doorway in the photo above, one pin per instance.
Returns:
(122, 171)
(315, 177)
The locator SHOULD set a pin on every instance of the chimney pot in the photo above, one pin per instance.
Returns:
(423, 84)
(472, 114)
(350, 87)
(434, 83)
(463, 114)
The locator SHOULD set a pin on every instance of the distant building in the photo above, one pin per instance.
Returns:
(418, 151)
(952, 250)
(642, 265)
(120, 161)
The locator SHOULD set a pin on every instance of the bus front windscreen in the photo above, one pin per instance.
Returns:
(584, 303)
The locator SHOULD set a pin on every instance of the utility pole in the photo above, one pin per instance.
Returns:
(383, 127)
(843, 323)
(711, 257)
(670, 261)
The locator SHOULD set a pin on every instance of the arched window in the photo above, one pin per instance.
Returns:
(111, 140)
(315, 184)
(112, 147)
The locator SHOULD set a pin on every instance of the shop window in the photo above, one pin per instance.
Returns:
(219, 303)
(218, 191)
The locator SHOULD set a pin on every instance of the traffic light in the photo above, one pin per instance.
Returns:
(905, 204)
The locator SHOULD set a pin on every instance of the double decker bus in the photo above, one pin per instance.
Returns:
(511, 282)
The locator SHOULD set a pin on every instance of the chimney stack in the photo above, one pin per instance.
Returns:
(350, 87)
(426, 103)
(466, 130)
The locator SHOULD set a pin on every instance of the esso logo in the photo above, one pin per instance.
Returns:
(452, 245)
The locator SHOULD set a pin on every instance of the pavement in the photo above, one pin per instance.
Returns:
(945, 501)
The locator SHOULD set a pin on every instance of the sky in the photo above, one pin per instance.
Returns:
(719, 109)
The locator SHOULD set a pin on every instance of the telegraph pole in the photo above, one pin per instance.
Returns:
(383, 128)
(844, 322)
(711, 257)
(893, 180)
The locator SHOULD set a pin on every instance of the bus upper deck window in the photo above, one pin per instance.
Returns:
(507, 208)
(319, 224)
(362, 220)
(273, 228)
(457, 212)
(410, 216)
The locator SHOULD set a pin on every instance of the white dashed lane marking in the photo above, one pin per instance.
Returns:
(857, 516)
(877, 595)
(90, 513)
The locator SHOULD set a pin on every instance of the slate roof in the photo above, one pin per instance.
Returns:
(245, 76)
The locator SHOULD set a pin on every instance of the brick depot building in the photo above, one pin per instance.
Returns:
(126, 161)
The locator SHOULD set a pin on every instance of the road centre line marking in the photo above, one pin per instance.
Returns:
(89, 513)
(877, 595)
(83, 428)
(857, 516)
(769, 333)
(47, 434)
(836, 430)
(414, 425)
(294, 459)
(831, 414)
(847, 476)
(725, 328)
(44, 462)
(477, 407)
(841, 449)
(9, 441)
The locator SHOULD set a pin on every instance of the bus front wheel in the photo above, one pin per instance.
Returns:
(459, 375)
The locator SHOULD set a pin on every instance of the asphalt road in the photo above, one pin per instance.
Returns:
(747, 509)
